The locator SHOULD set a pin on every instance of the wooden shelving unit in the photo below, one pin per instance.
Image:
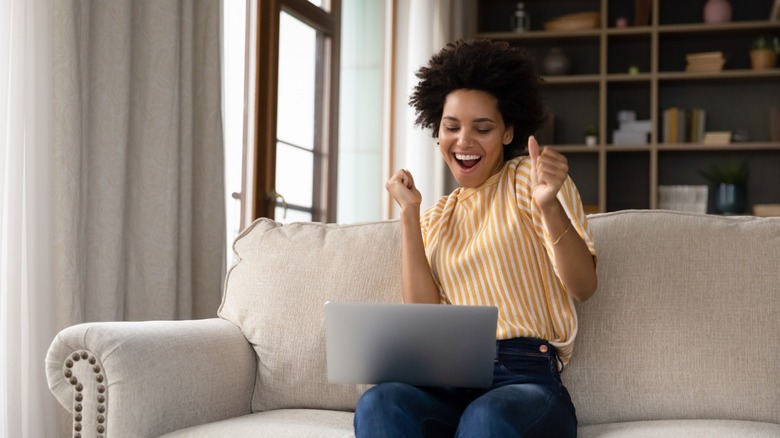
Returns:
(613, 176)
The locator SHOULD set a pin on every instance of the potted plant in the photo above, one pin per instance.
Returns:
(591, 136)
(763, 54)
(730, 183)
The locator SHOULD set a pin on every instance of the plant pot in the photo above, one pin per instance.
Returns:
(730, 198)
(762, 59)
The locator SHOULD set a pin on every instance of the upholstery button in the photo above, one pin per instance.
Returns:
(78, 417)
(100, 378)
(68, 374)
(92, 360)
(69, 363)
(74, 380)
(79, 397)
(101, 419)
(79, 387)
(78, 407)
(76, 357)
(101, 389)
(101, 408)
(96, 369)
(101, 399)
(543, 348)
(84, 355)
(77, 427)
(101, 429)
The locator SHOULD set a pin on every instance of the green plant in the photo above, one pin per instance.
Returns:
(590, 130)
(727, 173)
(767, 42)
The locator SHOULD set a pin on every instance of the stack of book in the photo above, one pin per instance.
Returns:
(684, 126)
(703, 62)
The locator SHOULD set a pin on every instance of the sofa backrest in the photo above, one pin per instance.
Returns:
(276, 291)
(685, 322)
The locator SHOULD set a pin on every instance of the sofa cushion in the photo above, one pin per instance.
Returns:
(681, 428)
(276, 291)
(282, 423)
(684, 323)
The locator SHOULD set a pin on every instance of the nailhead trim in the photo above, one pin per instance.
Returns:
(79, 397)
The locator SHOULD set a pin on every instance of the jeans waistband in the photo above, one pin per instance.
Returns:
(533, 345)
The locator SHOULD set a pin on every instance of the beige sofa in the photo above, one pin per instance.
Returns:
(680, 340)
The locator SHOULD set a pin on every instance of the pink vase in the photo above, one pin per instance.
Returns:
(717, 11)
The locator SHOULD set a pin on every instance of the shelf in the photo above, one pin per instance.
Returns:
(737, 98)
(724, 74)
(572, 79)
(746, 146)
(733, 27)
(541, 34)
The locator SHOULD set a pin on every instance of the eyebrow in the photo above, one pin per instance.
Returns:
(477, 120)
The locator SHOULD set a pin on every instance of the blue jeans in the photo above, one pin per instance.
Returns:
(527, 399)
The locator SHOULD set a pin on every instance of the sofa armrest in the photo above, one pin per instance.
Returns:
(144, 379)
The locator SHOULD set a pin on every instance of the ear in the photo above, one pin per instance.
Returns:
(509, 134)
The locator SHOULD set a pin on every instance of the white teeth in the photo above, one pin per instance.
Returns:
(463, 157)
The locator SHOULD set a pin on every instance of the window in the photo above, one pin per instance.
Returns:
(297, 111)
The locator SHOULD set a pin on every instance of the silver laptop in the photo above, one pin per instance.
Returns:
(419, 344)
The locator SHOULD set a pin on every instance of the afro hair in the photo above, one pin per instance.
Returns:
(495, 67)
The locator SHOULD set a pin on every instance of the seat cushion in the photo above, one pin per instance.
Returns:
(276, 291)
(681, 429)
(284, 423)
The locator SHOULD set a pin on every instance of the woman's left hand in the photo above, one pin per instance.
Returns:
(549, 170)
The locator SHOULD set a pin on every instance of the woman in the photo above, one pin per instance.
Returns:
(514, 235)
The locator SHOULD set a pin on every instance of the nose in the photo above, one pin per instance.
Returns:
(464, 137)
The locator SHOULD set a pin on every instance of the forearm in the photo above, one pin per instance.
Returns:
(418, 284)
(576, 265)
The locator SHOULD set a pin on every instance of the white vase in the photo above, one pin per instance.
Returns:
(556, 62)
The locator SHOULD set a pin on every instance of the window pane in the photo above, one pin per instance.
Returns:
(297, 62)
(294, 174)
(291, 216)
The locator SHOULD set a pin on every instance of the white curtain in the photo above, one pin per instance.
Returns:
(422, 29)
(27, 326)
(139, 191)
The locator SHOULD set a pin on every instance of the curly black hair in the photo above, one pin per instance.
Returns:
(495, 67)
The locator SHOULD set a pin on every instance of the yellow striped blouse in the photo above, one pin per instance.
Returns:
(488, 246)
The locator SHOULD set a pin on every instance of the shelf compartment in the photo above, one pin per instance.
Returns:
(684, 166)
(630, 96)
(494, 15)
(626, 52)
(575, 108)
(752, 118)
(584, 171)
(675, 12)
(628, 180)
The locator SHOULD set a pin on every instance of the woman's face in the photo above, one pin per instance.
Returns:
(472, 136)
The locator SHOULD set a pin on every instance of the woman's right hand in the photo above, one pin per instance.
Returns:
(402, 190)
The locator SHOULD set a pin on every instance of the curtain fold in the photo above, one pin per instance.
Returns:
(139, 197)
(422, 29)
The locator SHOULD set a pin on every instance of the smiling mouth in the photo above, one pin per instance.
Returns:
(467, 161)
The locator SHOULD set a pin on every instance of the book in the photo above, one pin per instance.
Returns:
(704, 62)
(684, 125)
(642, 12)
